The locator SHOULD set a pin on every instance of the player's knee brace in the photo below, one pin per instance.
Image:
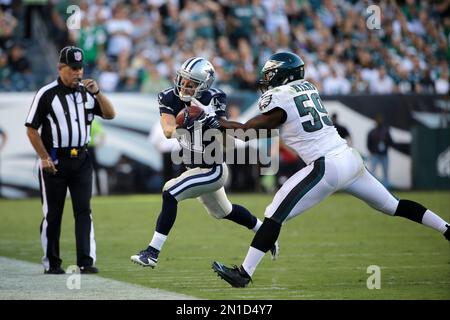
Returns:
(411, 210)
(267, 235)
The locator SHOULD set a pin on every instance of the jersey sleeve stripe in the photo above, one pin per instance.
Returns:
(36, 100)
(166, 107)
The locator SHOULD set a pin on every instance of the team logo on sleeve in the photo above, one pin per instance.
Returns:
(217, 104)
(264, 101)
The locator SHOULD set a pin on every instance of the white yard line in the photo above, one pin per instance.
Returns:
(20, 280)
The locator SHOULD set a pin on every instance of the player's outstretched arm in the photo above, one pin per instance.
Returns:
(269, 120)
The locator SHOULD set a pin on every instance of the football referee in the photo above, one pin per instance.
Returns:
(64, 110)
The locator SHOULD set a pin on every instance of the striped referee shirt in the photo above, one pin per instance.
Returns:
(63, 115)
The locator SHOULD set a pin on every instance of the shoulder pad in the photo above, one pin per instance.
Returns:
(165, 97)
(208, 95)
(215, 98)
(169, 102)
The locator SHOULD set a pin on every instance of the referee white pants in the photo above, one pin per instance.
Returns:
(205, 184)
(344, 171)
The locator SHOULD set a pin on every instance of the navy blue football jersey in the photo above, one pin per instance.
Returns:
(194, 145)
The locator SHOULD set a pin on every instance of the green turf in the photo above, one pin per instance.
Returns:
(324, 253)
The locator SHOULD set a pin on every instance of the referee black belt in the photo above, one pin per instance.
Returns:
(70, 152)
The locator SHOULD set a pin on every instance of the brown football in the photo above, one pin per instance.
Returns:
(193, 111)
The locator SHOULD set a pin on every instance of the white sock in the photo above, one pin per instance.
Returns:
(158, 240)
(432, 220)
(257, 226)
(253, 258)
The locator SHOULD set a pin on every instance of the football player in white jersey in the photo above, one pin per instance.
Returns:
(293, 104)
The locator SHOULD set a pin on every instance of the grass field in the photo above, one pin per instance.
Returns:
(324, 253)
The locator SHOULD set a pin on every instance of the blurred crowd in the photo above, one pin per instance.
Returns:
(15, 69)
(136, 45)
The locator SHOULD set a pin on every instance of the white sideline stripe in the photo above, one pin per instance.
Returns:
(20, 280)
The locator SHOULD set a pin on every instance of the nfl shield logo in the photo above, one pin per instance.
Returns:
(78, 56)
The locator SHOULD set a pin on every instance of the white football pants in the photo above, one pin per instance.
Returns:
(205, 184)
(344, 171)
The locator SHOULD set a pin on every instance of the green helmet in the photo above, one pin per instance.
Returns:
(280, 69)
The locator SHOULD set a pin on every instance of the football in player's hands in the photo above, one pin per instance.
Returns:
(211, 121)
(188, 115)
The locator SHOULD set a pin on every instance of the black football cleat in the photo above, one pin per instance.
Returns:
(236, 276)
(57, 270)
(88, 270)
(447, 233)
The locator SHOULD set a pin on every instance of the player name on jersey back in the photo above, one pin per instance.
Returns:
(308, 129)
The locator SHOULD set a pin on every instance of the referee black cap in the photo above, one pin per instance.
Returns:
(72, 56)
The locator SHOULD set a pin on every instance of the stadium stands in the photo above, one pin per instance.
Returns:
(136, 45)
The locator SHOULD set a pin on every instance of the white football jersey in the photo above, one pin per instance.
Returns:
(308, 130)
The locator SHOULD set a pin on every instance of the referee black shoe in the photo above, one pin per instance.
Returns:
(236, 276)
(447, 233)
(57, 270)
(88, 270)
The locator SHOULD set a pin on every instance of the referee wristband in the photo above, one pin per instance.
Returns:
(96, 93)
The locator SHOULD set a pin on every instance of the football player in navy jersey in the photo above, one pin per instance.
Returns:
(202, 180)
